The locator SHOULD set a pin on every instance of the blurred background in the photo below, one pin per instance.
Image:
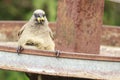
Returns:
(22, 10)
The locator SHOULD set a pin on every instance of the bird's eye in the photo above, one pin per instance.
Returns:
(35, 15)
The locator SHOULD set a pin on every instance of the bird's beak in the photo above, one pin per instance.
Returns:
(40, 19)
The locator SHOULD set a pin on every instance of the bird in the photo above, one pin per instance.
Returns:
(37, 33)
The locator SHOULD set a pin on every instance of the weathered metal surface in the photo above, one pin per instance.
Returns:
(111, 35)
(60, 66)
(106, 53)
(8, 32)
(79, 25)
(9, 29)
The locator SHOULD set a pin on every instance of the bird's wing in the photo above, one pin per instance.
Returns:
(51, 34)
(21, 30)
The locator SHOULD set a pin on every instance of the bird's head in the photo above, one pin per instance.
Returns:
(39, 16)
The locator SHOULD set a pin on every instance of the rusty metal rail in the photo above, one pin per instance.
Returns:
(110, 34)
(107, 53)
(81, 65)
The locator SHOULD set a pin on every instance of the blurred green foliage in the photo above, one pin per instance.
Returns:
(111, 13)
(22, 10)
(12, 75)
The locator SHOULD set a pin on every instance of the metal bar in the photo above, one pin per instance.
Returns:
(107, 56)
(79, 25)
(110, 34)
(60, 66)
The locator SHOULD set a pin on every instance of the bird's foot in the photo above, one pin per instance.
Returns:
(19, 49)
(57, 53)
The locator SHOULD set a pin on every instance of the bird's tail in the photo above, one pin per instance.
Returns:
(32, 76)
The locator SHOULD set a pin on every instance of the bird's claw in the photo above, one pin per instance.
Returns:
(19, 49)
(57, 53)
